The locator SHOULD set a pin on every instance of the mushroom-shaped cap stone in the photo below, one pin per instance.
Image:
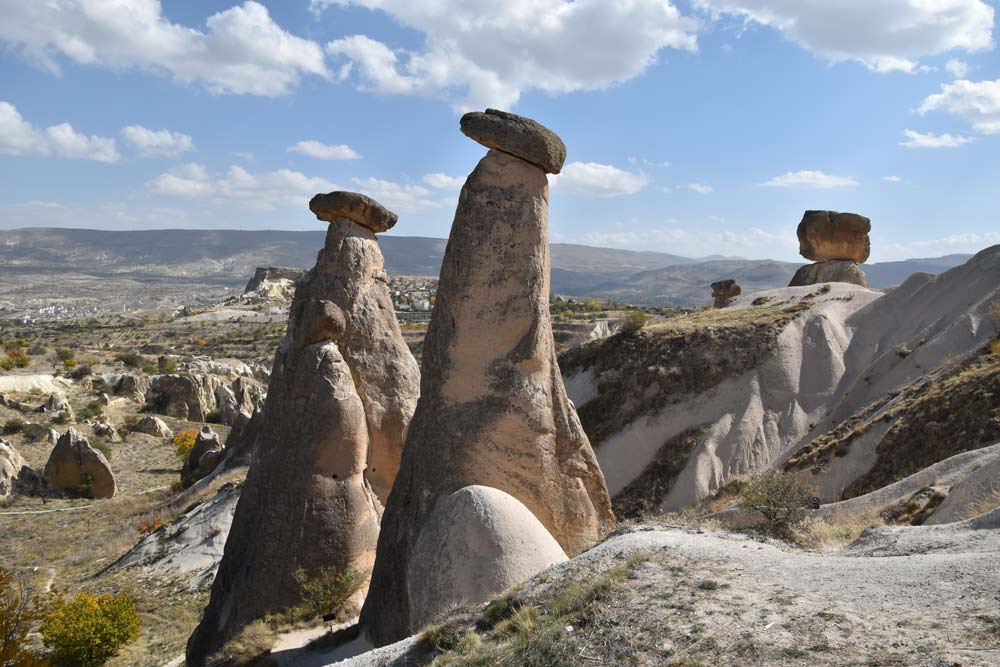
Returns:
(726, 288)
(825, 236)
(522, 137)
(361, 209)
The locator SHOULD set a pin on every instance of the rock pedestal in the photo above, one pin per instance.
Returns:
(343, 382)
(11, 464)
(725, 292)
(837, 243)
(493, 410)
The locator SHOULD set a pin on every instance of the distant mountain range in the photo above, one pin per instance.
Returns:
(229, 257)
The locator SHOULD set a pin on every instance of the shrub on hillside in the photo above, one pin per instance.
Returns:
(17, 357)
(635, 320)
(184, 442)
(37, 351)
(12, 426)
(784, 499)
(131, 359)
(89, 629)
(80, 372)
(325, 591)
(19, 611)
(65, 354)
(91, 410)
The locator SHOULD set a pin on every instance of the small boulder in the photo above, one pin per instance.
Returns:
(354, 206)
(11, 464)
(39, 432)
(206, 454)
(725, 291)
(829, 235)
(154, 426)
(133, 387)
(477, 542)
(106, 431)
(522, 137)
(77, 467)
(57, 403)
(835, 271)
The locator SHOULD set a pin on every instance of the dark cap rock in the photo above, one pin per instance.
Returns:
(357, 207)
(522, 137)
(829, 236)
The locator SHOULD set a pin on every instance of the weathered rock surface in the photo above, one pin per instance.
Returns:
(187, 397)
(725, 292)
(133, 387)
(75, 466)
(517, 135)
(39, 432)
(833, 271)
(356, 207)
(106, 431)
(493, 410)
(343, 386)
(829, 235)
(57, 403)
(270, 274)
(153, 426)
(11, 464)
(204, 456)
(477, 542)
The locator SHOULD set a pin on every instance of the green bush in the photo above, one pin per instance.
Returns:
(19, 611)
(784, 499)
(37, 351)
(325, 591)
(12, 426)
(17, 358)
(91, 410)
(64, 354)
(131, 359)
(90, 629)
(214, 416)
(80, 372)
(166, 365)
(635, 320)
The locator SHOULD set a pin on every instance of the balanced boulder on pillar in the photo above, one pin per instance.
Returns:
(493, 410)
(837, 243)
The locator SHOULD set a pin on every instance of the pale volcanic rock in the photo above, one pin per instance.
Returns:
(342, 390)
(517, 135)
(829, 235)
(354, 206)
(11, 464)
(477, 543)
(153, 426)
(204, 456)
(493, 410)
(75, 466)
(725, 292)
(834, 271)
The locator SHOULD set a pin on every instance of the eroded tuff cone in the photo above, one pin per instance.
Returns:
(493, 410)
(517, 135)
(343, 381)
(357, 207)
(829, 235)
(75, 466)
(835, 271)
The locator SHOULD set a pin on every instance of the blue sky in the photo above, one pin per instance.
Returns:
(694, 127)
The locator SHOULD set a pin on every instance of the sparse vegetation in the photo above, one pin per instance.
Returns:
(782, 498)
(87, 630)
(251, 644)
(184, 442)
(325, 592)
(12, 426)
(130, 359)
(635, 321)
(20, 611)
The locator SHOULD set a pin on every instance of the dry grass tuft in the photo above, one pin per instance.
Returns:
(834, 533)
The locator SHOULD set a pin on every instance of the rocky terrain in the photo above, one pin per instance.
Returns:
(271, 480)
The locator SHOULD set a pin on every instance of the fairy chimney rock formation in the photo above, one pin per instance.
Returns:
(837, 243)
(725, 292)
(77, 467)
(493, 410)
(342, 391)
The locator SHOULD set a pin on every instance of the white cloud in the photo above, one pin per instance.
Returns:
(699, 241)
(659, 164)
(977, 102)
(884, 35)
(479, 53)
(970, 242)
(399, 197)
(245, 155)
(320, 151)
(916, 139)
(810, 179)
(162, 143)
(263, 191)
(600, 180)
(242, 50)
(19, 137)
(892, 179)
(111, 215)
(444, 181)
(700, 188)
(957, 68)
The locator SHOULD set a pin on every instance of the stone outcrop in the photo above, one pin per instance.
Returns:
(519, 136)
(837, 243)
(725, 292)
(186, 397)
(265, 274)
(205, 455)
(77, 467)
(493, 410)
(133, 387)
(342, 390)
(834, 271)
(105, 430)
(365, 211)
(153, 426)
(57, 403)
(476, 543)
(829, 235)
(11, 465)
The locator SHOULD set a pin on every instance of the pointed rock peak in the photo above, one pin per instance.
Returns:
(357, 207)
(522, 137)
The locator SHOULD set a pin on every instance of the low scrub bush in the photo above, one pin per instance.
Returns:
(91, 410)
(65, 354)
(16, 357)
(325, 591)
(131, 359)
(88, 630)
(80, 372)
(635, 321)
(184, 442)
(252, 643)
(12, 426)
(19, 612)
(784, 499)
